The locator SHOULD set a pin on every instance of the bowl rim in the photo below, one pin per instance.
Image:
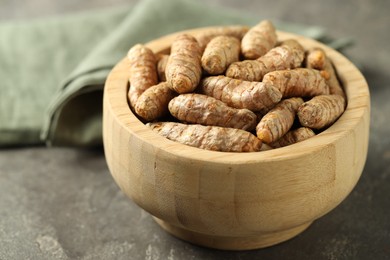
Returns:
(355, 86)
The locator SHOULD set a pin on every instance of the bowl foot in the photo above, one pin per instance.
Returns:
(232, 243)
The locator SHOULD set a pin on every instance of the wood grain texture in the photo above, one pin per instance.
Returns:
(229, 200)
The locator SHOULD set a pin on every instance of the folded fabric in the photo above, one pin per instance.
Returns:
(35, 57)
(53, 70)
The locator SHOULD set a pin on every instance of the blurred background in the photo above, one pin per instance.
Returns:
(365, 21)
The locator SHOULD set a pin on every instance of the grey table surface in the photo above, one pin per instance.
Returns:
(62, 203)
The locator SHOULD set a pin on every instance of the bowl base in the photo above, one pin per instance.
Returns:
(232, 243)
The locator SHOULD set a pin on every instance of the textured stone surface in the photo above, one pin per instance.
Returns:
(63, 204)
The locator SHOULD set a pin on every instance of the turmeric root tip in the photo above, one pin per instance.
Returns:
(183, 70)
(278, 120)
(142, 71)
(153, 103)
(220, 53)
(321, 111)
(258, 40)
(317, 59)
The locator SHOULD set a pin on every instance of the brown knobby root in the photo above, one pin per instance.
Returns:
(205, 110)
(278, 121)
(220, 52)
(255, 96)
(153, 103)
(213, 138)
(267, 88)
(142, 71)
(162, 61)
(300, 82)
(321, 111)
(183, 70)
(288, 55)
(293, 136)
(297, 50)
(317, 59)
(237, 31)
(258, 40)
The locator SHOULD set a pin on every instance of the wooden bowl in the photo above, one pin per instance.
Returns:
(236, 201)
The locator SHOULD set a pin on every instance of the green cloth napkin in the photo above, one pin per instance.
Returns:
(52, 71)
